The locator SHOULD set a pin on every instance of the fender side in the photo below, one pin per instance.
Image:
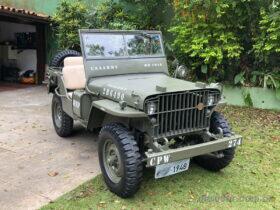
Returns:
(105, 111)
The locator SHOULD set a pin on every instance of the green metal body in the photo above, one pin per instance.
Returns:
(118, 90)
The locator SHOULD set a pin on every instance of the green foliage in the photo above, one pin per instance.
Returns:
(122, 14)
(148, 14)
(248, 99)
(69, 18)
(110, 15)
(239, 78)
(268, 42)
(130, 14)
(228, 40)
(267, 48)
(203, 34)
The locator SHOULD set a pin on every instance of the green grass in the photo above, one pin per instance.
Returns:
(252, 181)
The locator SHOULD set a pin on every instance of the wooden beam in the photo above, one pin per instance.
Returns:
(41, 52)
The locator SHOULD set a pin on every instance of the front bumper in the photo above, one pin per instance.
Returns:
(172, 155)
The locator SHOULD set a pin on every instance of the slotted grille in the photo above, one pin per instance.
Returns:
(182, 112)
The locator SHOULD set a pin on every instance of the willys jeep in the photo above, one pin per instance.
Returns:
(146, 118)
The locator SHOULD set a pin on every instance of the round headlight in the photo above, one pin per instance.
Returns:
(211, 100)
(181, 72)
(151, 108)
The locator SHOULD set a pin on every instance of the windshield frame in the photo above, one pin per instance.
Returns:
(121, 32)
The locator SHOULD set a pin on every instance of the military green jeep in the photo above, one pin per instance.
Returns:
(121, 85)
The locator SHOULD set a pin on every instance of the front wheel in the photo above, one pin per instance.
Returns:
(120, 160)
(221, 159)
(63, 123)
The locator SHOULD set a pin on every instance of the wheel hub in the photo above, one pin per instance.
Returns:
(112, 161)
(58, 114)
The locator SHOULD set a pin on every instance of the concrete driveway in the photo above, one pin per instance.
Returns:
(37, 166)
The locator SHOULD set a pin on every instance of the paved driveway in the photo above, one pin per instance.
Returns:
(37, 166)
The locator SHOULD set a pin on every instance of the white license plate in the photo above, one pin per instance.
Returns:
(171, 168)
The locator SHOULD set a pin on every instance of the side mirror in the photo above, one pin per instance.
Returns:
(175, 63)
(181, 72)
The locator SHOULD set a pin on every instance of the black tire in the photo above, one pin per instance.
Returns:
(130, 169)
(57, 61)
(211, 162)
(64, 123)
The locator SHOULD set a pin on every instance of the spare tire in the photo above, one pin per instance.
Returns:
(57, 61)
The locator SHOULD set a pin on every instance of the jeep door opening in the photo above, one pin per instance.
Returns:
(120, 85)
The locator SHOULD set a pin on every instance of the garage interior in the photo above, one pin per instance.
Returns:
(22, 48)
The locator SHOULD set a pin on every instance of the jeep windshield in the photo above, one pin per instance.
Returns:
(117, 45)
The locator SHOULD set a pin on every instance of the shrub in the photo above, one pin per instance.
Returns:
(214, 36)
(267, 49)
(121, 14)
(110, 15)
(235, 41)
(202, 37)
(68, 19)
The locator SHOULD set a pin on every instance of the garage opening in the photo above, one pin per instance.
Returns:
(22, 48)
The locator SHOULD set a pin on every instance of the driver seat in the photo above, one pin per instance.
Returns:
(74, 73)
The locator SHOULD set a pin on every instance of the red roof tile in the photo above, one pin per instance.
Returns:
(23, 12)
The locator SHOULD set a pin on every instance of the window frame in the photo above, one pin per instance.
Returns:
(123, 33)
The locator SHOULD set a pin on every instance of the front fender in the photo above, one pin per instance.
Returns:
(113, 108)
(105, 110)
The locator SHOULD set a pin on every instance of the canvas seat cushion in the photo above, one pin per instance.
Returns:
(73, 61)
(74, 73)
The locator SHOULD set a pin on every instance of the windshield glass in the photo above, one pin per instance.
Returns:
(143, 45)
(102, 45)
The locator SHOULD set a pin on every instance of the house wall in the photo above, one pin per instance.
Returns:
(39, 6)
(27, 59)
(262, 98)
(47, 7)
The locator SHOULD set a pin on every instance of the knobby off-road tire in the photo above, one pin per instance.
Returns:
(211, 162)
(63, 123)
(120, 160)
(57, 61)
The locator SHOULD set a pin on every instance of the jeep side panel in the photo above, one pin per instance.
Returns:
(105, 111)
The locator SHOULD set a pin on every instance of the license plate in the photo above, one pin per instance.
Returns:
(234, 142)
(171, 168)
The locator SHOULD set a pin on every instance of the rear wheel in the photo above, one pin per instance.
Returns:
(63, 123)
(120, 160)
(220, 159)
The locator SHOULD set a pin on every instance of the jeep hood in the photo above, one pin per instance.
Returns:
(135, 88)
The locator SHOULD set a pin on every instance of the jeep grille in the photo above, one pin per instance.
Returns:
(181, 112)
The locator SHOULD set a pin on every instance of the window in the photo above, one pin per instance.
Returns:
(143, 45)
(103, 45)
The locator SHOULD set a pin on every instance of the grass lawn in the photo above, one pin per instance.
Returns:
(252, 181)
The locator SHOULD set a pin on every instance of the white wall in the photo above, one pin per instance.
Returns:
(27, 59)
